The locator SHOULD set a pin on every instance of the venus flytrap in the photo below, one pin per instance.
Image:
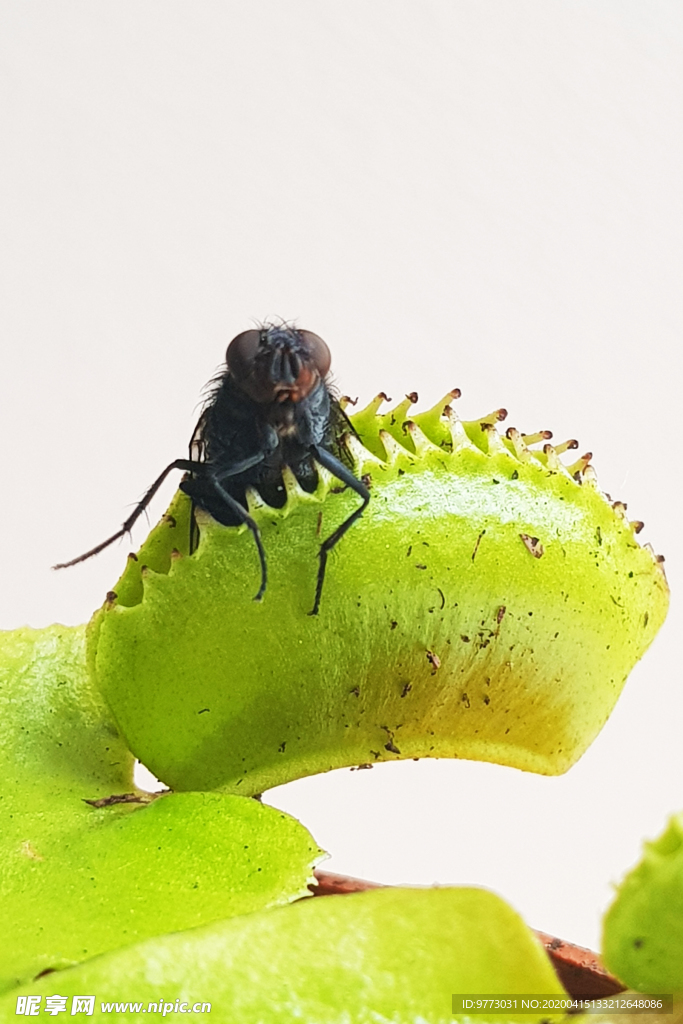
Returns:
(489, 604)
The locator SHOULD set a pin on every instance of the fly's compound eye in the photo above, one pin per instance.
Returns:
(241, 354)
(317, 350)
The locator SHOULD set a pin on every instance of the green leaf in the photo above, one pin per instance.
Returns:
(392, 955)
(77, 880)
(488, 605)
(56, 734)
(643, 929)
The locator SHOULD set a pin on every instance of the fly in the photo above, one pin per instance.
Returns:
(271, 407)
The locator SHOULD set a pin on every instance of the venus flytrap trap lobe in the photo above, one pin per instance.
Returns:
(489, 605)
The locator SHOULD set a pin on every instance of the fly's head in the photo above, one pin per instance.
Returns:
(278, 367)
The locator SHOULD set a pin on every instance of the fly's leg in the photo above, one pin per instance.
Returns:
(245, 518)
(212, 475)
(194, 529)
(185, 464)
(339, 470)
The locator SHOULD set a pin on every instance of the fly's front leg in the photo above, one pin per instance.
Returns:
(184, 464)
(245, 518)
(212, 474)
(339, 470)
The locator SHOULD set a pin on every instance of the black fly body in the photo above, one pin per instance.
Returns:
(271, 407)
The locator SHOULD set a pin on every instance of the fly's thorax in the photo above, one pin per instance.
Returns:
(234, 427)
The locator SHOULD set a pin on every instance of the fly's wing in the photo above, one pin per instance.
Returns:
(197, 454)
(197, 441)
(340, 425)
(199, 446)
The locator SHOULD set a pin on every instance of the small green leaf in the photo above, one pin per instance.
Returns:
(77, 880)
(643, 930)
(392, 955)
(56, 733)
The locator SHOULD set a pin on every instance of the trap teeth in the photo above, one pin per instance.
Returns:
(449, 397)
(494, 440)
(518, 444)
(657, 559)
(399, 412)
(361, 456)
(566, 446)
(432, 421)
(293, 490)
(578, 468)
(422, 443)
(368, 420)
(497, 416)
(589, 476)
(552, 461)
(459, 438)
(255, 503)
(540, 435)
(371, 409)
(394, 451)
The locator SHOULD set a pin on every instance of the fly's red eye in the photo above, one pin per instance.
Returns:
(317, 350)
(242, 353)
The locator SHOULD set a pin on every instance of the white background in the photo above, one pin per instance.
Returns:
(451, 192)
